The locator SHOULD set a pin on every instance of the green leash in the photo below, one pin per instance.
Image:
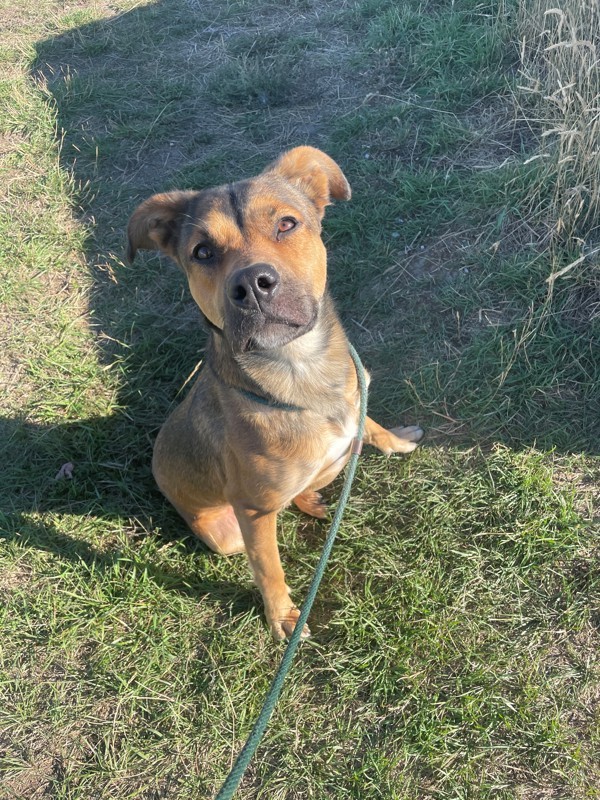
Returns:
(237, 771)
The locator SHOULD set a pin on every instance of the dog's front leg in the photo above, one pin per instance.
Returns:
(396, 440)
(259, 531)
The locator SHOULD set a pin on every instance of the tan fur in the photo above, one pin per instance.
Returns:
(271, 418)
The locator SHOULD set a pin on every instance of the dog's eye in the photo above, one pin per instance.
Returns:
(202, 252)
(286, 224)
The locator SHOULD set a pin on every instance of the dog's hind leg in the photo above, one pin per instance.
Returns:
(217, 527)
(396, 440)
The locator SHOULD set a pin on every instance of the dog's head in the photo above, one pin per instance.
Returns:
(252, 250)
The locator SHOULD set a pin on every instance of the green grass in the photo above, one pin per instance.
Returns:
(455, 636)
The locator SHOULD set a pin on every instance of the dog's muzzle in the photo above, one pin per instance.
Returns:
(265, 310)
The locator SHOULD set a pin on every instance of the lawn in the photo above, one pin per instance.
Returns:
(456, 635)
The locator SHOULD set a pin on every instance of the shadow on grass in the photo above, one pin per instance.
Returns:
(101, 488)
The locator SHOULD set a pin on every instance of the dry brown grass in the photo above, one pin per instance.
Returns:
(560, 79)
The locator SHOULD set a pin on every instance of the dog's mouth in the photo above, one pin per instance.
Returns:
(271, 328)
(276, 332)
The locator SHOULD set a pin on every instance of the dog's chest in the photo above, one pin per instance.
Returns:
(333, 453)
(338, 445)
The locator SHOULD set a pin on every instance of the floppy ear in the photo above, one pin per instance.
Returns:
(314, 173)
(155, 224)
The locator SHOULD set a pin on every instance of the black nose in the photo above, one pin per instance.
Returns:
(252, 287)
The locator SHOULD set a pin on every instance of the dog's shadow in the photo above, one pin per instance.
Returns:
(95, 478)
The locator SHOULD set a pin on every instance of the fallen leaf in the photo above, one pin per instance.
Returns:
(66, 471)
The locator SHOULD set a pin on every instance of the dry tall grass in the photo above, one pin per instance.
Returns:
(560, 73)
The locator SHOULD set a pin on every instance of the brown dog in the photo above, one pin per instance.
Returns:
(272, 416)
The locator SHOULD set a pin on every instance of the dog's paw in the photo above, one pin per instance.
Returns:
(282, 625)
(404, 440)
(311, 503)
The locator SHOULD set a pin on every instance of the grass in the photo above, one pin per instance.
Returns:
(455, 638)
(561, 81)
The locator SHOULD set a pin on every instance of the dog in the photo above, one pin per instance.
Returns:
(272, 416)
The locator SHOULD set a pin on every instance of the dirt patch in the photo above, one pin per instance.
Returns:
(244, 81)
(584, 484)
(34, 776)
(15, 578)
(37, 760)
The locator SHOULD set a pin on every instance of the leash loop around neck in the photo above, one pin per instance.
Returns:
(237, 771)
